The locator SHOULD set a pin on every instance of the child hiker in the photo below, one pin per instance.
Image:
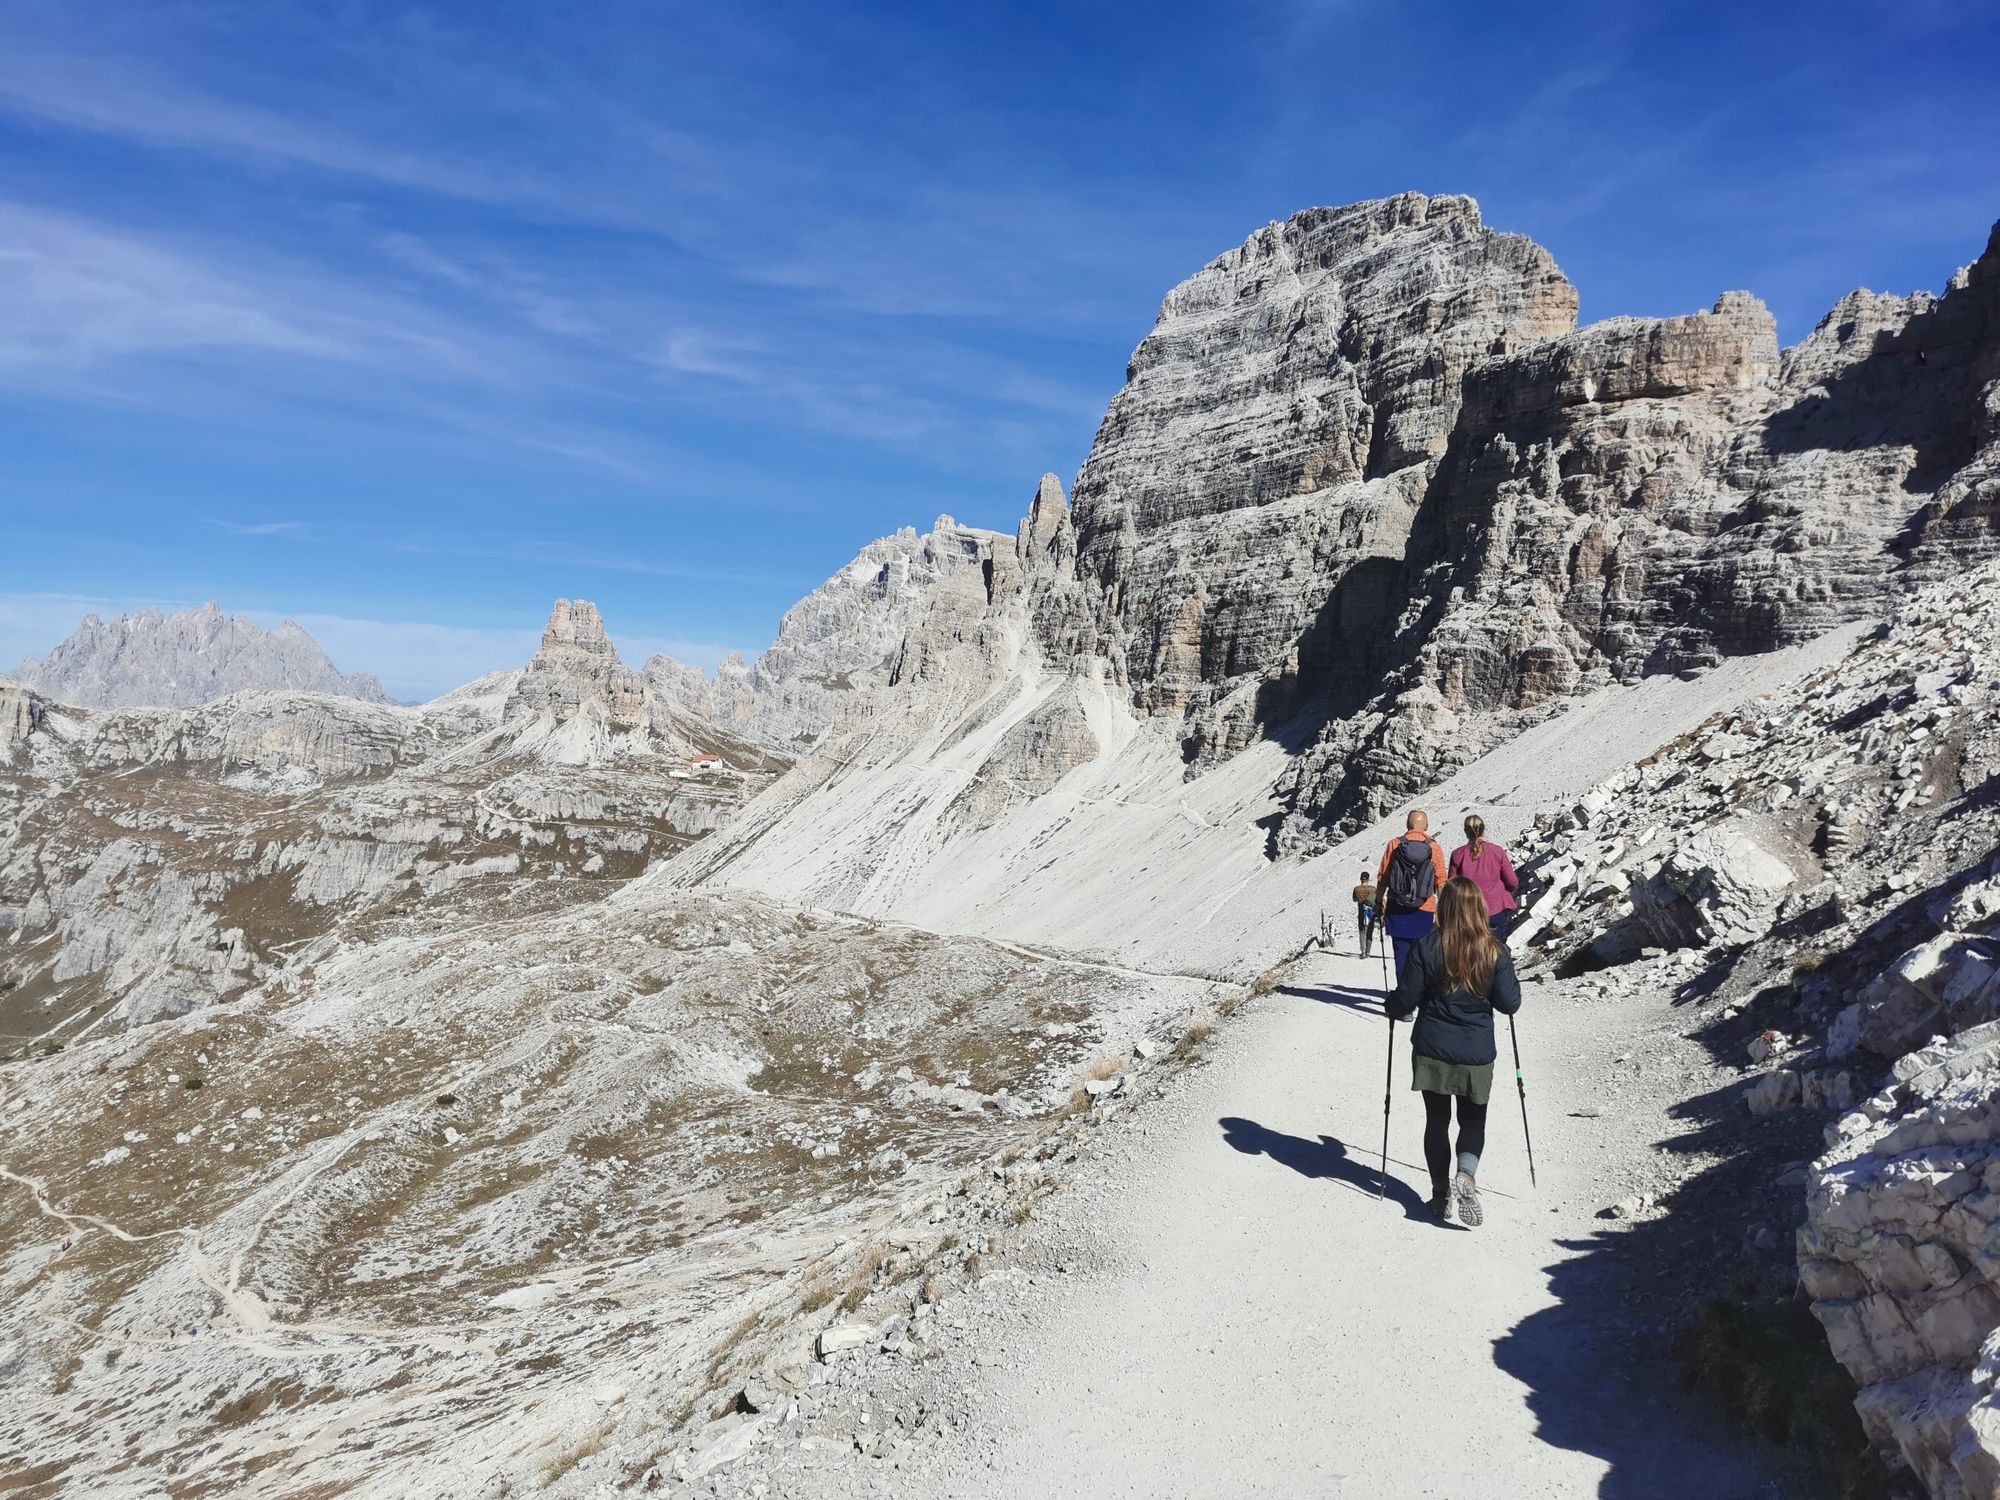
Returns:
(1456, 977)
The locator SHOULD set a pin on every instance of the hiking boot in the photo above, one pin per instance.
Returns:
(1465, 1193)
(1441, 1206)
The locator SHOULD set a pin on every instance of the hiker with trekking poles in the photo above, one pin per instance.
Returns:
(1453, 980)
(1406, 886)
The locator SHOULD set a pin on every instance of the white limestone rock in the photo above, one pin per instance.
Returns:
(1901, 1253)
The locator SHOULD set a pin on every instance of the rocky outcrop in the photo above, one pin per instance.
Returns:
(577, 674)
(684, 687)
(1944, 985)
(180, 660)
(1901, 1256)
(1031, 757)
(1821, 864)
(20, 715)
(1725, 884)
(852, 632)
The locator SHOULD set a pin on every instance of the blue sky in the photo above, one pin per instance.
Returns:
(404, 320)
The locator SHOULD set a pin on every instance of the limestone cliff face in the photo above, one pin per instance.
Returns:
(885, 617)
(1273, 437)
(1653, 494)
(178, 661)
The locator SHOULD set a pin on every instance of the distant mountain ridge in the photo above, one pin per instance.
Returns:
(148, 659)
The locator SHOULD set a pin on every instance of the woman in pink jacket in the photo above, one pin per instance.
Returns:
(1486, 865)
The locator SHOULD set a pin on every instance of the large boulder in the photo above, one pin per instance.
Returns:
(1723, 885)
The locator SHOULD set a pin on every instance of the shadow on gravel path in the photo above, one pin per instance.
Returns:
(1367, 1002)
(1600, 1365)
(1324, 1158)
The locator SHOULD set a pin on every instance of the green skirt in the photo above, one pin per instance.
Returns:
(1435, 1077)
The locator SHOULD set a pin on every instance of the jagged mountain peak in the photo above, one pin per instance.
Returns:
(147, 658)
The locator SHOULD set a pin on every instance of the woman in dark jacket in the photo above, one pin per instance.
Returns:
(1456, 978)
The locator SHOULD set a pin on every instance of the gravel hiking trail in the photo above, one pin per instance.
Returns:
(1249, 1319)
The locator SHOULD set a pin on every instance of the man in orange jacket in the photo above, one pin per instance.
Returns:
(1407, 885)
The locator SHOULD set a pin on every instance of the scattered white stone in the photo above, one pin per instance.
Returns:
(843, 1336)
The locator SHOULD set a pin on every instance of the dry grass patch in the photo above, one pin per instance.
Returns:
(588, 1446)
(862, 1280)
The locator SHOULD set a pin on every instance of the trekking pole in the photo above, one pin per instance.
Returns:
(1522, 1084)
(1388, 1080)
(1388, 1088)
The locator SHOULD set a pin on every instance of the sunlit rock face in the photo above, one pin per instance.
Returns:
(1370, 493)
(1273, 438)
(1652, 495)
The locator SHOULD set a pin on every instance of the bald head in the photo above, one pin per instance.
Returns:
(1418, 821)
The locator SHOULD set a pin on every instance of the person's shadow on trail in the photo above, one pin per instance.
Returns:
(1325, 1158)
(1367, 1002)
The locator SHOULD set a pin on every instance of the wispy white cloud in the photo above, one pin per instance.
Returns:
(74, 294)
(122, 98)
(263, 528)
(692, 352)
(77, 294)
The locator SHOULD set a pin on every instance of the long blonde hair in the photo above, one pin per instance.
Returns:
(1466, 937)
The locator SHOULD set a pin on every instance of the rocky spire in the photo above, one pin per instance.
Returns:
(1045, 533)
(578, 671)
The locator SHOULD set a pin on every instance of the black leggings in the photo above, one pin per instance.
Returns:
(1437, 1133)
